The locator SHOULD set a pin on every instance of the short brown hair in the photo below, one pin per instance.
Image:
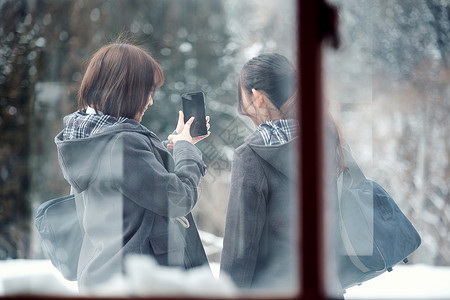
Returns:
(119, 80)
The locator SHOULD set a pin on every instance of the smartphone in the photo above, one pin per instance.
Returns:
(194, 106)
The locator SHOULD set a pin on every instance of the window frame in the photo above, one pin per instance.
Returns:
(310, 152)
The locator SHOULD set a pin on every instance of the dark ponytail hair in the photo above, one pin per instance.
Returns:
(275, 76)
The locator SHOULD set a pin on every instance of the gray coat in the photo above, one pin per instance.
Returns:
(259, 247)
(132, 189)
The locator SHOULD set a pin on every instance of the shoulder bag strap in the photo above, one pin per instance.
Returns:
(79, 206)
(346, 180)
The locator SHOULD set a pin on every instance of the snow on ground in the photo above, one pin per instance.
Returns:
(23, 276)
(144, 277)
(406, 282)
(147, 278)
(211, 243)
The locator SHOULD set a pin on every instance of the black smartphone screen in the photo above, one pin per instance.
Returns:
(194, 106)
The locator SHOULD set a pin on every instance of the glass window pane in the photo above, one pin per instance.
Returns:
(200, 45)
(387, 87)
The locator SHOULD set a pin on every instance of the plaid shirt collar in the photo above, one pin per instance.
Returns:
(86, 123)
(278, 132)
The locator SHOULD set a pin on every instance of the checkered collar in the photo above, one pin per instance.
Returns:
(86, 123)
(278, 132)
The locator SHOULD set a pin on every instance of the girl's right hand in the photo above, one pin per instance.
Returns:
(184, 135)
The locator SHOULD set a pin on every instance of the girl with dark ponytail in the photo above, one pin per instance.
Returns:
(260, 247)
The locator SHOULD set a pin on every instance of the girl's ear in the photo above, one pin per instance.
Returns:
(259, 98)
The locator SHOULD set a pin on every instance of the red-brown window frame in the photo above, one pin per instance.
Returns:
(310, 162)
(315, 22)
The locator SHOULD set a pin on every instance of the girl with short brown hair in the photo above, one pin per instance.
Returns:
(133, 194)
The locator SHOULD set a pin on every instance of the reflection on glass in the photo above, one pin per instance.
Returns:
(200, 46)
(387, 87)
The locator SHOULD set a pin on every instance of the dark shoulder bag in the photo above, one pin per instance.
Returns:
(57, 224)
(375, 234)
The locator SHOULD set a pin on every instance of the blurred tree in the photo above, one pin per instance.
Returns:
(415, 51)
(403, 48)
(44, 47)
(17, 77)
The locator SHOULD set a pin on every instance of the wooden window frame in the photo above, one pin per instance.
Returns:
(310, 162)
(317, 23)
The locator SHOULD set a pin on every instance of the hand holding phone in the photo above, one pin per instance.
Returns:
(182, 131)
(194, 106)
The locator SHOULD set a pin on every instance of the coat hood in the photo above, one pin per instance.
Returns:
(281, 157)
(80, 158)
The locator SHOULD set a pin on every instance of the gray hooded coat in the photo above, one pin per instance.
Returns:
(130, 190)
(259, 247)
